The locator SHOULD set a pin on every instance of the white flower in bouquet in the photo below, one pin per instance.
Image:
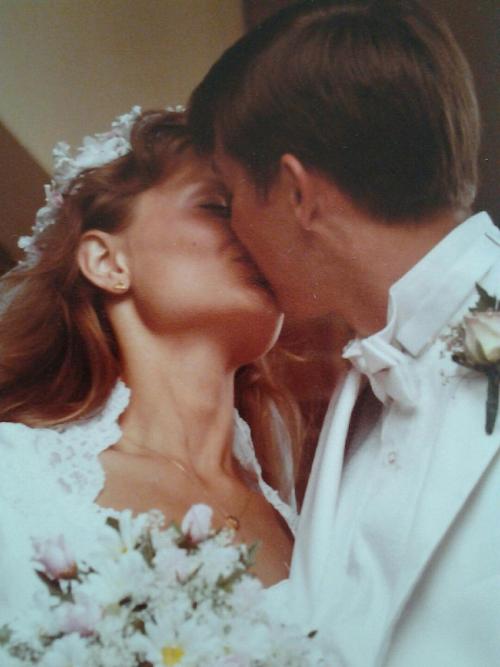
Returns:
(172, 565)
(220, 563)
(120, 537)
(119, 579)
(246, 594)
(172, 639)
(71, 650)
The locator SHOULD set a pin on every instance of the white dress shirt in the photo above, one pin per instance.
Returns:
(363, 542)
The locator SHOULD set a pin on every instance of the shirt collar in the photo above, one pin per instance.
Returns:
(427, 296)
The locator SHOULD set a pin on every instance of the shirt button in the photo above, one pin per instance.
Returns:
(391, 457)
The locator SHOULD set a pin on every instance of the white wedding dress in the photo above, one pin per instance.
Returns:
(49, 481)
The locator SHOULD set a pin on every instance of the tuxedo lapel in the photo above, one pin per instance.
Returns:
(462, 450)
(462, 453)
(317, 516)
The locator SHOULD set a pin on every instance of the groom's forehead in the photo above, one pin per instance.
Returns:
(223, 160)
(226, 167)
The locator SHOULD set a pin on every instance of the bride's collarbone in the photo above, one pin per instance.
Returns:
(140, 484)
(136, 484)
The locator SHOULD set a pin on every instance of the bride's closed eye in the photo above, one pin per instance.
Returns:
(219, 208)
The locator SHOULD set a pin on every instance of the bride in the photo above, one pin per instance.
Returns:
(127, 336)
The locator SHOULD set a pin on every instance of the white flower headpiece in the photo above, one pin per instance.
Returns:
(95, 151)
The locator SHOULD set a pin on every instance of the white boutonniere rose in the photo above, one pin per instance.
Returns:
(482, 337)
(475, 344)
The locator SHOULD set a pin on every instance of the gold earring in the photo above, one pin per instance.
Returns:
(120, 286)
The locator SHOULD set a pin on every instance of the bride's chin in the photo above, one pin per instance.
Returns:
(261, 289)
(255, 337)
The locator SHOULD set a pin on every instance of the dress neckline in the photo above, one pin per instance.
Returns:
(92, 436)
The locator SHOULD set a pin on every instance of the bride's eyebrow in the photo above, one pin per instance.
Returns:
(214, 188)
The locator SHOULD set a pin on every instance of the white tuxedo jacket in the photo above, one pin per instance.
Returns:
(434, 599)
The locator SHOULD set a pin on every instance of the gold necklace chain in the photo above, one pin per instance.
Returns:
(231, 520)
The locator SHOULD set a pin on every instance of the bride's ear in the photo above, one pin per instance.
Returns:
(300, 184)
(102, 261)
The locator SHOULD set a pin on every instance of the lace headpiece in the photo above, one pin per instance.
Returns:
(95, 151)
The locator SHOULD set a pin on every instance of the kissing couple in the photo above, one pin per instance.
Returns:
(326, 164)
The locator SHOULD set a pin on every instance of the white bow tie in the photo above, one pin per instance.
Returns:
(386, 367)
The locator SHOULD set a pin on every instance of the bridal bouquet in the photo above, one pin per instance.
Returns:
(153, 597)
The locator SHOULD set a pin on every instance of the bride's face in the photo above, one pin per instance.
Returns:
(187, 268)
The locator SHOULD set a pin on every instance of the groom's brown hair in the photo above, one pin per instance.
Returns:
(375, 94)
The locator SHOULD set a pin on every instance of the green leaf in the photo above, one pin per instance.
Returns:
(252, 554)
(5, 634)
(147, 550)
(227, 583)
(461, 358)
(113, 523)
(486, 301)
(52, 585)
(492, 401)
(139, 625)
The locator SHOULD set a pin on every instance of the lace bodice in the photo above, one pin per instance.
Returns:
(60, 468)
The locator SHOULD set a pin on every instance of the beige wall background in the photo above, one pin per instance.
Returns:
(68, 67)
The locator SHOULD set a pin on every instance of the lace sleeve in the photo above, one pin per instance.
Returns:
(42, 467)
(74, 459)
(49, 479)
(24, 470)
(26, 498)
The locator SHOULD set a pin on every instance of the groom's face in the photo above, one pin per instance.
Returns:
(264, 224)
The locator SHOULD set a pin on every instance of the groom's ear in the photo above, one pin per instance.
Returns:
(301, 188)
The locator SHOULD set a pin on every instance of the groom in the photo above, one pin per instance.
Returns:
(347, 135)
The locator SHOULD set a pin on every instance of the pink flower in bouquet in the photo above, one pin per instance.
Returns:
(81, 616)
(55, 557)
(198, 522)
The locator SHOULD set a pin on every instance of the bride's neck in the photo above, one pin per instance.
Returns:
(181, 403)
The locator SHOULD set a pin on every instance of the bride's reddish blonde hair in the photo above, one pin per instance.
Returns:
(59, 358)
